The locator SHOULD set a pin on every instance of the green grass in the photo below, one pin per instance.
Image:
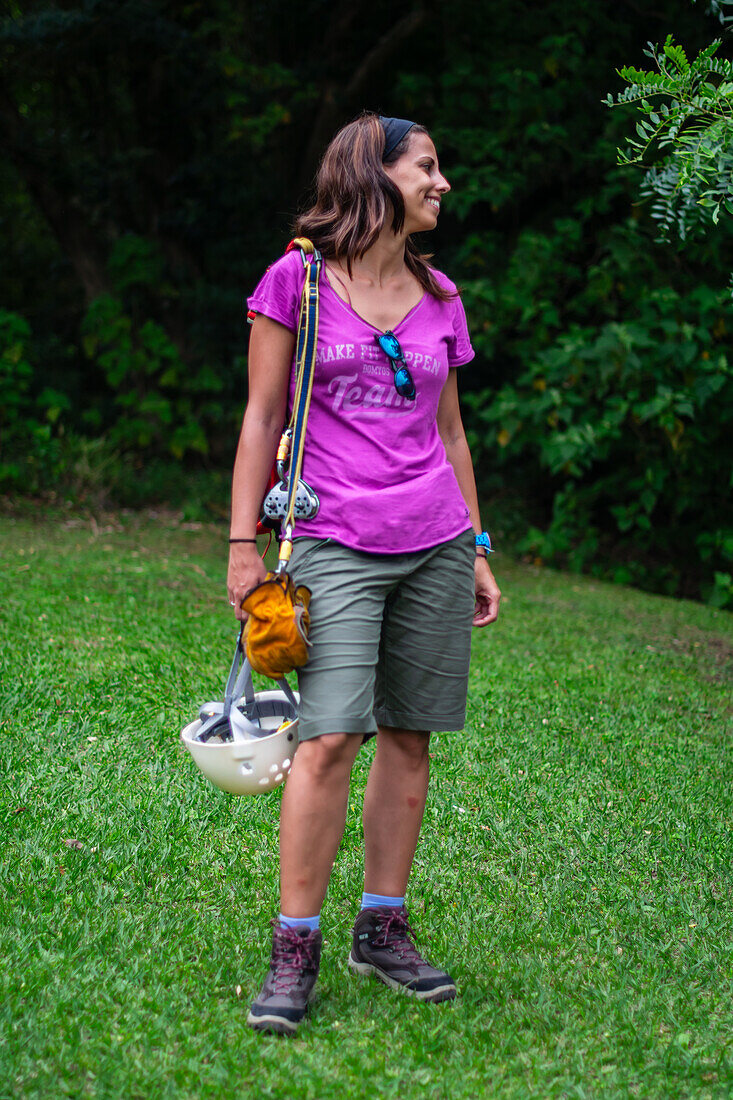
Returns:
(574, 872)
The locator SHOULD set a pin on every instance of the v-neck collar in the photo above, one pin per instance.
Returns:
(350, 309)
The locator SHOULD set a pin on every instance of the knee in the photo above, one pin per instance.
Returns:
(410, 747)
(327, 756)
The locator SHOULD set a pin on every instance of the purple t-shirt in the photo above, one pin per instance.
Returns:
(374, 458)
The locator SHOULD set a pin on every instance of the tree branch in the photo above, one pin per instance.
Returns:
(336, 102)
(55, 198)
(382, 50)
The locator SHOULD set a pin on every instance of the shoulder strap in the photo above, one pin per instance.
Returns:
(305, 370)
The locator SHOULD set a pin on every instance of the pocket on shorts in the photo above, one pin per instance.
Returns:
(303, 550)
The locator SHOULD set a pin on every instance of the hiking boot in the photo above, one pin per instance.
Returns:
(281, 1005)
(383, 946)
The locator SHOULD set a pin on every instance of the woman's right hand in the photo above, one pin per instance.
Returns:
(246, 569)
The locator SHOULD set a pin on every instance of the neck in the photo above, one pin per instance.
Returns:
(383, 261)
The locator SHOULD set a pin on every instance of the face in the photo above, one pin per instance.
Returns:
(418, 177)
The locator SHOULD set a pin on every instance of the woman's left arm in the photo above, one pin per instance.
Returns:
(450, 428)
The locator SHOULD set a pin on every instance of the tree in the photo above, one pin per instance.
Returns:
(154, 155)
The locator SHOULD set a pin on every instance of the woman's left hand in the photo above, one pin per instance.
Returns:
(487, 594)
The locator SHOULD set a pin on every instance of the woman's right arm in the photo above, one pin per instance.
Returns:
(271, 347)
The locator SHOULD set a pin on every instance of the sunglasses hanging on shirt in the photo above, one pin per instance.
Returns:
(390, 345)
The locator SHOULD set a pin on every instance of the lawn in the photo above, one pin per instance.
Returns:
(574, 872)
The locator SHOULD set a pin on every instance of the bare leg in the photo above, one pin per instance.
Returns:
(312, 820)
(394, 804)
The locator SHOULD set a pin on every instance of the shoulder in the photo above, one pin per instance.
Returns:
(289, 266)
(278, 292)
(443, 281)
(454, 316)
(283, 278)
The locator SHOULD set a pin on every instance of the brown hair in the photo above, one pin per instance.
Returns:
(354, 197)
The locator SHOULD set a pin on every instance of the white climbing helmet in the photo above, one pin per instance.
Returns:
(246, 744)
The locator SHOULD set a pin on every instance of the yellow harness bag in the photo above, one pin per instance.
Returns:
(276, 632)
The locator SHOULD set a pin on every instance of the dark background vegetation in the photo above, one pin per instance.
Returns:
(153, 157)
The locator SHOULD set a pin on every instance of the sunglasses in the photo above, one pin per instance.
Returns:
(390, 345)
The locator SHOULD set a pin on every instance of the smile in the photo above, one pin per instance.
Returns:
(435, 203)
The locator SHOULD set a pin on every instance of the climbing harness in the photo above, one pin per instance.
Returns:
(246, 744)
(276, 630)
(291, 498)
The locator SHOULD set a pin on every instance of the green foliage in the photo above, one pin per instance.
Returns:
(15, 370)
(686, 129)
(135, 262)
(29, 454)
(156, 395)
(721, 9)
(630, 421)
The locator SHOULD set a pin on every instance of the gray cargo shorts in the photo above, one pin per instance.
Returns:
(390, 637)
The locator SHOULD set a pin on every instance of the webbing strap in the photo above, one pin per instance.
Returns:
(305, 371)
(239, 685)
(239, 681)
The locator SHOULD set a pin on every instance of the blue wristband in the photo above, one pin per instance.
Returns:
(484, 539)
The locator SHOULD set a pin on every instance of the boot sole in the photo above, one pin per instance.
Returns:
(441, 993)
(278, 1025)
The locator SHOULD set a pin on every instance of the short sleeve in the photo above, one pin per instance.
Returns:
(278, 293)
(459, 345)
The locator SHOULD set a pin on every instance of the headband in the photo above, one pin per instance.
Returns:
(394, 131)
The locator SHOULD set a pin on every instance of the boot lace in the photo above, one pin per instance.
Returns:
(291, 955)
(394, 933)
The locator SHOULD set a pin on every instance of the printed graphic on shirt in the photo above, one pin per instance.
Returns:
(366, 385)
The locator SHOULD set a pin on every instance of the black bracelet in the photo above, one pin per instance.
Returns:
(243, 540)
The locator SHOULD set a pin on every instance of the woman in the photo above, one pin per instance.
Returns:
(396, 572)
